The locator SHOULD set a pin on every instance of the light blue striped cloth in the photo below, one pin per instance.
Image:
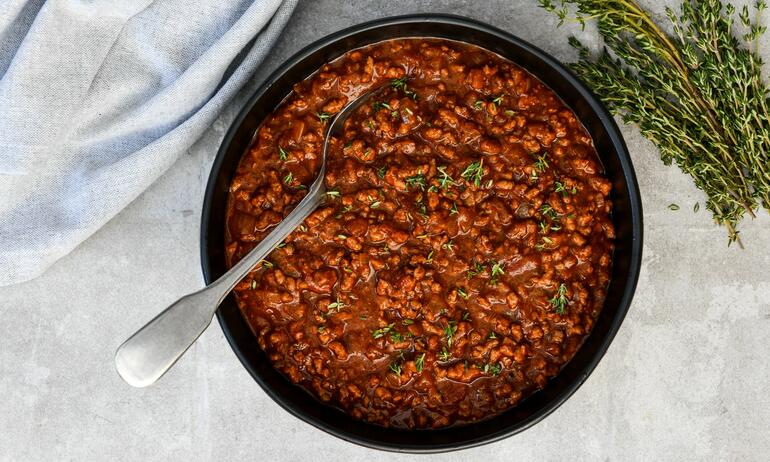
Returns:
(98, 98)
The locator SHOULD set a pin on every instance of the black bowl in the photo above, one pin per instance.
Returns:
(627, 217)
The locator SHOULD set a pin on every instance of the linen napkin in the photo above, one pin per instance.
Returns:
(98, 98)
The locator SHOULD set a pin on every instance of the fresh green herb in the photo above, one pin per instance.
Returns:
(396, 368)
(253, 285)
(333, 193)
(541, 163)
(302, 228)
(543, 226)
(381, 332)
(416, 181)
(429, 259)
(559, 187)
(461, 292)
(466, 316)
(445, 181)
(449, 245)
(453, 210)
(474, 172)
(322, 116)
(696, 207)
(548, 212)
(449, 332)
(267, 264)
(697, 92)
(375, 204)
(343, 211)
(377, 105)
(382, 171)
(493, 369)
(498, 100)
(396, 337)
(400, 84)
(510, 112)
(282, 154)
(288, 178)
(321, 328)
(419, 362)
(444, 356)
(673, 207)
(560, 301)
(497, 271)
(336, 305)
(476, 269)
(479, 105)
(407, 322)
(491, 335)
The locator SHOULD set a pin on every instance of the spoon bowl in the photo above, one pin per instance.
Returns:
(150, 352)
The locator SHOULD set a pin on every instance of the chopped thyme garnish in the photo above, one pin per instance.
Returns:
(474, 172)
(336, 305)
(377, 105)
(429, 259)
(396, 368)
(342, 236)
(266, 264)
(416, 181)
(419, 362)
(560, 300)
(379, 333)
(400, 84)
(333, 193)
(558, 187)
(541, 163)
(476, 268)
(445, 181)
(449, 332)
(497, 271)
(448, 245)
(282, 154)
(461, 292)
(407, 322)
(288, 178)
(323, 116)
(343, 211)
(453, 210)
(479, 105)
(510, 112)
(491, 335)
(253, 285)
(498, 100)
(549, 212)
(396, 337)
(382, 171)
(444, 356)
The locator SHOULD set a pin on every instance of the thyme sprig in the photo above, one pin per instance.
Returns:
(697, 93)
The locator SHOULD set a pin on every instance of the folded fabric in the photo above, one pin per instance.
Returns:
(99, 98)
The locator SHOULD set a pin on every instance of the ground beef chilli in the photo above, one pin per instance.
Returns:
(464, 247)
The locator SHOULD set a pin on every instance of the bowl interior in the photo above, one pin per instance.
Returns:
(626, 216)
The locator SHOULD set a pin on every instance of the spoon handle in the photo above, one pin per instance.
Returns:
(152, 350)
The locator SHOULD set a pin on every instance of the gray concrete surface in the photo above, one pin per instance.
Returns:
(685, 379)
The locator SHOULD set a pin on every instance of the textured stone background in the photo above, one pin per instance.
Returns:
(685, 379)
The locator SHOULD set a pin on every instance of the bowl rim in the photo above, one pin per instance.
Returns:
(615, 139)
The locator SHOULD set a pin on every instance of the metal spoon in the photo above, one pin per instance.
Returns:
(152, 350)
